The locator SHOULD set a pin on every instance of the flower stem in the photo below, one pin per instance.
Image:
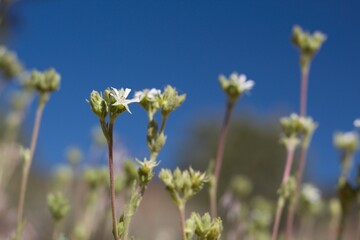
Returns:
(293, 204)
(111, 171)
(27, 166)
(289, 160)
(304, 88)
(163, 122)
(182, 220)
(219, 156)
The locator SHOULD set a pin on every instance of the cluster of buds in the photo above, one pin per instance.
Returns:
(235, 85)
(286, 191)
(58, 206)
(152, 100)
(203, 227)
(307, 43)
(295, 125)
(261, 214)
(241, 186)
(10, 66)
(310, 202)
(346, 141)
(44, 82)
(183, 185)
(95, 177)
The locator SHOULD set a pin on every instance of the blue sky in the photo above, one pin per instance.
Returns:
(142, 44)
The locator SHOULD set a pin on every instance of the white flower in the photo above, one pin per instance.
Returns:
(346, 141)
(120, 97)
(151, 94)
(311, 193)
(357, 123)
(243, 85)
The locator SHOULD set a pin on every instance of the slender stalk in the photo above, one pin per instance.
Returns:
(182, 221)
(287, 170)
(54, 231)
(112, 187)
(293, 204)
(27, 166)
(219, 156)
(341, 227)
(163, 123)
(303, 152)
(303, 91)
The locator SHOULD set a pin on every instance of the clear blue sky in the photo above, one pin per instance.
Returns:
(144, 44)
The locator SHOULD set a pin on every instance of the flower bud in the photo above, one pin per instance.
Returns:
(346, 141)
(44, 82)
(170, 100)
(308, 44)
(58, 206)
(98, 104)
(9, 64)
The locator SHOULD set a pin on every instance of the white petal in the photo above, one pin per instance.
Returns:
(249, 84)
(126, 93)
(116, 93)
(234, 76)
(242, 78)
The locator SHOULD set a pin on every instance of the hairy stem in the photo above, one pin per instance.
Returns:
(182, 221)
(27, 167)
(111, 171)
(219, 156)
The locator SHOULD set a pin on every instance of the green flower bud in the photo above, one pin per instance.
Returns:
(287, 189)
(95, 177)
(98, 105)
(167, 178)
(205, 227)
(44, 82)
(308, 44)
(58, 206)
(170, 100)
(131, 172)
(241, 186)
(74, 155)
(10, 66)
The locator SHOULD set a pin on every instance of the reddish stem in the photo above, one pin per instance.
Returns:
(287, 170)
(112, 188)
(219, 156)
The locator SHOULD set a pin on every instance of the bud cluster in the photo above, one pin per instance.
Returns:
(44, 82)
(346, 141)
(307, 43)
(203, 227)
(183, 185)
(10, 66)
(295, 125)
(58, 206)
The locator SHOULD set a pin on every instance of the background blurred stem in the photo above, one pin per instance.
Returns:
(290, 147)
(27, 164)
(219, 157)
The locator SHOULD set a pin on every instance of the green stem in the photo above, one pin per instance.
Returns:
(27, 166)
(219, 156)
(163, 122)
(111, 171)
(182, 220)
